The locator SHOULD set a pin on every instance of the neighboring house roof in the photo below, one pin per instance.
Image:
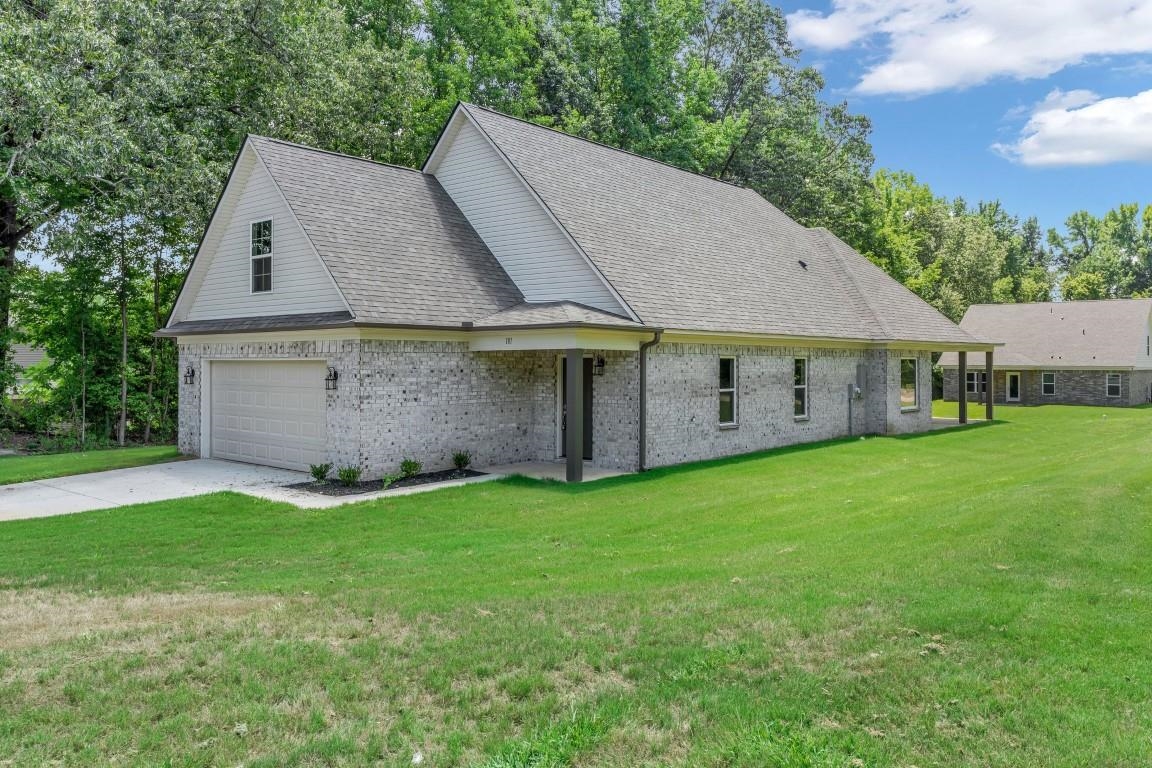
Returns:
(1066, 334)
(690, 252)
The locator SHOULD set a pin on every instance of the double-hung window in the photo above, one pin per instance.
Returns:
(727, 390)
(908, 390)
(1112, 385)
(800, 388)
(976, 383)
(1048, 383)
(261, 243)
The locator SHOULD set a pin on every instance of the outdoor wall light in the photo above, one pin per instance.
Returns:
(189, 375)
(331, 379)
(598, 367)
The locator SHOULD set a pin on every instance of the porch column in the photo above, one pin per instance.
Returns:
(988, 373)
(574, 414)
(962, 400)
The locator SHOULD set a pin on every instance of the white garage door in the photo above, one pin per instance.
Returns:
(269, 412)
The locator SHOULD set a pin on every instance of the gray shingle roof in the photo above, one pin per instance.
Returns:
(554, 313)
(690, 252)
(1067, 334)
(265, 323)
(399, 248)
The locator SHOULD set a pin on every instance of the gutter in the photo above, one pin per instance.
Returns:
(643, 442)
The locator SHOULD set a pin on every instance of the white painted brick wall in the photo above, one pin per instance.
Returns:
(426, 400)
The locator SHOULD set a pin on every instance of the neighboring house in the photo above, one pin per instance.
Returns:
(529, 295)
(24, 357)
(1075, 352)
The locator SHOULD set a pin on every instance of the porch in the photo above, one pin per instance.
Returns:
(553, 470)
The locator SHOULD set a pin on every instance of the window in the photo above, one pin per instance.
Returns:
(908, 388)
(1113, 385)
(262, 256)
(727, 391)
(977, 382)
(1048, 383)
(800, 388)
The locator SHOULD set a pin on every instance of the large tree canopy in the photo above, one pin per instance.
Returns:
(119, 120)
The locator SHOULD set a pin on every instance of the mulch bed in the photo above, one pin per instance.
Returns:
(336, 488)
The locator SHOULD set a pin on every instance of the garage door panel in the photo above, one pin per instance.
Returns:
(269, 412)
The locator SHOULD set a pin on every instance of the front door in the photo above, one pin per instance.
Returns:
(1012, 388)
(587, 408)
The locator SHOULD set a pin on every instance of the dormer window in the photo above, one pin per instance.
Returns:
(262, 256)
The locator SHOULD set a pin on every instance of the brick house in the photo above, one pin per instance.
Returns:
(1069, 352)
(530, 296)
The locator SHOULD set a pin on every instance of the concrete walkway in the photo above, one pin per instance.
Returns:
(177, 480)
(136, 485)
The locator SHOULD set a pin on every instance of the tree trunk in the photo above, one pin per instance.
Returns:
(122, 424)
(83, 383)
(11, 234)
(155, 344)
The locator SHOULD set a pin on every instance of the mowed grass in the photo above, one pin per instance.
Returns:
(974, 597)
(19, 469)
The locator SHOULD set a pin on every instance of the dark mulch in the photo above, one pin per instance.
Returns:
(336, 488)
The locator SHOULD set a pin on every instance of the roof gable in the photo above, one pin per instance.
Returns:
(691, 252)
(538, 254)
(218, 283)
(1111, 333)
(396, 244)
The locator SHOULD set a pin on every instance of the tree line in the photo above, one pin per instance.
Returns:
(119, 120)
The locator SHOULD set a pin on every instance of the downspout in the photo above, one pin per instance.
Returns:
(644, 396)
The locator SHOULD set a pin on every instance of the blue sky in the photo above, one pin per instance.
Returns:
(1044, 104)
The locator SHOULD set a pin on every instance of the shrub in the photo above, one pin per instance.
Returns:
(461, 459)
(349, 476)
(410, 468)
(319, 471)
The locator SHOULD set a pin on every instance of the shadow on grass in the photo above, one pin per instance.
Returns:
(725, 461)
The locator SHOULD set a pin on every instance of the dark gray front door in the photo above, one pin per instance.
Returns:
(587, 408)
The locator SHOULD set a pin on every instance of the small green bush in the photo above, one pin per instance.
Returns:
(349, 476)
(462, 459)
(320, 471)
(410, 468)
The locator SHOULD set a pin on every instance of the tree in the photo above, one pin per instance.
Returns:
(61, 129)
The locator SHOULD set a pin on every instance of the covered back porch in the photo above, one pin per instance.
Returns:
(599, 402)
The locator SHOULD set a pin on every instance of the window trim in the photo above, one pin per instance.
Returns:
(915, 385)
(979, 382)
(807, 406)
(1108, 385)
(733, 389)
(270, 256)
(1044, 384)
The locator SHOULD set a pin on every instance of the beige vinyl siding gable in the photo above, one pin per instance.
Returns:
(221, 282)
(519, 232)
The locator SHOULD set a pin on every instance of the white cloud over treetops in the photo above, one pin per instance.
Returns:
(935, 45)
(1081, 128)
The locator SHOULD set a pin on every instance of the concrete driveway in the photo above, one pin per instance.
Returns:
(158, 482)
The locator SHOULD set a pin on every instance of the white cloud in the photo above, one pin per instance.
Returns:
(1080, 128)
(935, 45)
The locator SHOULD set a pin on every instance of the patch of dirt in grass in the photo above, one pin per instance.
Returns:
(36, 617)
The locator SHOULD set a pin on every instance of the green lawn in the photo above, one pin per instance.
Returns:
(974, 597)
(18, 469)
